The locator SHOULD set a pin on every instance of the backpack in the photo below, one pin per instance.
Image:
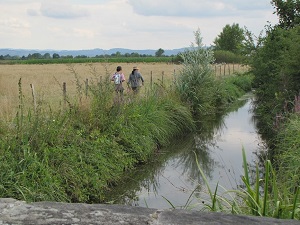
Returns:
(117, 78)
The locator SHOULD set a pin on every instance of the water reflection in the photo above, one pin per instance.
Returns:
(173, 174)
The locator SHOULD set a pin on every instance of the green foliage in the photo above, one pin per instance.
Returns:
(230, 39)
(195, 81)
(90, 60)
(223, 56)
(159, 52)
(232, 87)
(261, 195)
(77, 153)
(288, 12)
(289, 152)
(276, 71)
(197, 84)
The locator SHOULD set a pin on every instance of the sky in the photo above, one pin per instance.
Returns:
(132, 24)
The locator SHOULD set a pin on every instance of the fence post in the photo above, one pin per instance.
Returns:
(233, 68)
(162, 77)
(33, 96)
(229, 68)
(65, 93)
(224, 69)
(174, 77)
(151, 79)
(215, 69)
(86, 87)
(221, 70)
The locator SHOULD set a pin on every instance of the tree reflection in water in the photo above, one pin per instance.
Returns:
(178, 159)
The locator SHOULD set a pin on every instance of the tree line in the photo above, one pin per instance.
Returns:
(234, 44)
(158, 53)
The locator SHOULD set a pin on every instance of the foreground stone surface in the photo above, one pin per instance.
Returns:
(19, 212)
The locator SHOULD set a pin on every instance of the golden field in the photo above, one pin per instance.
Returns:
(47, 79)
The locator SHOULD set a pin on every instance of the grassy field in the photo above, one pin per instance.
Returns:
(47, 79)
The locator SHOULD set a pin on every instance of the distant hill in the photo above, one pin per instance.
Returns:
(89, 52)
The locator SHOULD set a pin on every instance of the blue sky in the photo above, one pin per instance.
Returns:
(134, 24)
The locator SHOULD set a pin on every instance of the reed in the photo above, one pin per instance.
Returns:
(262, 196)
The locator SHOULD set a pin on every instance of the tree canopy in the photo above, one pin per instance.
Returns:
(159, 52)
(230, 39)
(288, 12)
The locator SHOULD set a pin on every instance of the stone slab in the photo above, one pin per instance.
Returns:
(14, 212)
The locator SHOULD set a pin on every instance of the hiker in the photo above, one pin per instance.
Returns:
(118, 78)
(134, 80)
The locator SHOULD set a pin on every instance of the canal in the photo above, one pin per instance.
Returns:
(172, 177)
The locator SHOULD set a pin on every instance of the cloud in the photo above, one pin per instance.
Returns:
(62, 10)
(196, 8)
(33, 12)
(10, 27)
(86, 33)
(137, 24)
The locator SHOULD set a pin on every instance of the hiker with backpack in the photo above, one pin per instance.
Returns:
(135, 79)
(118, 78)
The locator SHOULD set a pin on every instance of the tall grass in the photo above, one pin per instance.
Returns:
(197, 84)
(78, 152)
(261, 195)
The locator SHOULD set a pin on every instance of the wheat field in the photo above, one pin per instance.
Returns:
(47, 79)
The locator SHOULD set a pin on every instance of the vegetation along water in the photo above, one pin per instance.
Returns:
(77, 152)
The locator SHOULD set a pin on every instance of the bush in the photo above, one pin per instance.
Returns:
(222, 56)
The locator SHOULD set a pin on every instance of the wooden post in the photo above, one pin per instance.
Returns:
(216, 70)
(174, 77)
(221, 70)
(151, 79)
(224, 69)
(65, 93)
(33, 96)
(233, 68)
(229, 68)
(86, 87)
(162, 77)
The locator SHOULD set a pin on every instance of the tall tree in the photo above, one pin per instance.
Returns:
(230, 39)
(55, 56)
(159, 52)
(288, 12)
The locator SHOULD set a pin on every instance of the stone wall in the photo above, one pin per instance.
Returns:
(18, 212)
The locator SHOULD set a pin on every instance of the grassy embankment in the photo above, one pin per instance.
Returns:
(74, 152)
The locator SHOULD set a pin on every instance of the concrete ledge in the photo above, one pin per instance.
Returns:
(18, 212)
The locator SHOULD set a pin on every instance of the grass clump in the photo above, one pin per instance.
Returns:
(198, 85)
(260, 195)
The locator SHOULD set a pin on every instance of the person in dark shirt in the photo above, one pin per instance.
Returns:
(135, 80)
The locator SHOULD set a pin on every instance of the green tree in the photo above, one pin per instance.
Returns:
(230, 39)
(288, 12)
(55, 56)
(36, 56)
(277, 79)
(159, 52)
(47, 56)
(134, 54)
